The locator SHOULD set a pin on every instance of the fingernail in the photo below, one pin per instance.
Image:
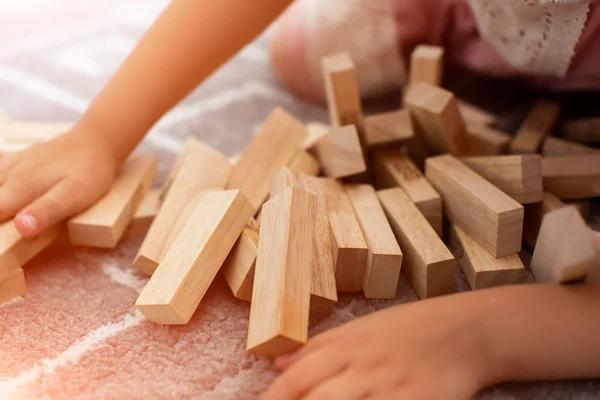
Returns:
(28, 222)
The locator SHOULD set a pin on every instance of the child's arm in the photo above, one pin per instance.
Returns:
(451, 347)
(189, 41)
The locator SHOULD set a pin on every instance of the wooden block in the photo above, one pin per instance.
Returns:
(475, 116)
(427, 65)
(16, 251)
(189, 267)
(13, 286)
(486, 141)
(281, 137)
(565, 250)
(555, 147)
(472, 203)
(343, 97)
(385, 257)
(481, 269)
(190, 144)
(428, 264)
(339, 153)
(31, 132)
(572, 177)
(305, 163)
(350, 251)
(282, 281)
(436, 116)
(519, 176)
(104, 223)
(538, 124)
(388, 129)
(315, 131)
(392, 168)
(144, 214)
(239, 267)
(584, 130)
(534, 214)
(203, 168)
(323, 288)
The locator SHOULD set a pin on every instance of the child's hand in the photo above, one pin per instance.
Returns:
(426, 350)
(52, 181)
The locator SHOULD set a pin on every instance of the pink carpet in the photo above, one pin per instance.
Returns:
(77, 335)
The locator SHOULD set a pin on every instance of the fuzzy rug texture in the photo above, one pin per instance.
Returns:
(77, 335)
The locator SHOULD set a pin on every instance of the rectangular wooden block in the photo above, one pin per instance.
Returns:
(534, 214)
(13, 286)
(572, 177)
(104, 223)
(472, 203)
(485, 141)
(239, 268)
(343, 97)
(31, 132)
(519, 176)
(436, 116)
(282, 281)
(281, 137)
(538, 124)
(427, 65)
(203, 168)
(475, 116)
(481, 269)
(385, 257)
(340, 154)
(428, 264)
(305, 163)
(315, 131)
(556, 147)
(583, 130)
(565, 250)
(392, 168)
(388, 129)
(144, 214)
(174, 291)
(350, 251)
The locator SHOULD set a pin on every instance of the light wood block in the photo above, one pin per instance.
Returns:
(13, 286)
(584, 130)
(472, 203)
(538, 124)
(144, 214)
(190, 144)
(572, 177)
(485, 141)
(203, 169)
(16, 251)
(339, 153)
(315, 131)
(427, 65)
(239, 267)
(481, 269)
(385, 257)
(428, 264)
(388, 129)
(31, 132)
(555, 147)
(392, 168)
(343, 97)
(436, 116)
(281, 137)
(281, 297)
(565, 250)
(176, 288)
(350, 250)
(519, 176)
(305, 163)
(475, 116)
(534, 214)
(103, 224)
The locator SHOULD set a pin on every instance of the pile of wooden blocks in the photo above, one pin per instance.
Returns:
(308, 211)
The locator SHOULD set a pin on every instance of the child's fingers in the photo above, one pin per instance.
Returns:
(313, 344)
(62, 201)
(345, 386)
(14, 195)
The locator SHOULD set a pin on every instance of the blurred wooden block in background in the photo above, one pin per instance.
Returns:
(539, 123)
(388, 129)
(340, 154)
(572, 177)
(485, 141)
(556, 147)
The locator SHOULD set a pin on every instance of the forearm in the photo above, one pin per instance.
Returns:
(188, 42)
(535, 332)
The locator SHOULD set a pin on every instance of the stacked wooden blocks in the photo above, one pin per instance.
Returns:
(308, 211)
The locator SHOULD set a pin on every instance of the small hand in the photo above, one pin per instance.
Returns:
(52, 181)
(425, 350)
